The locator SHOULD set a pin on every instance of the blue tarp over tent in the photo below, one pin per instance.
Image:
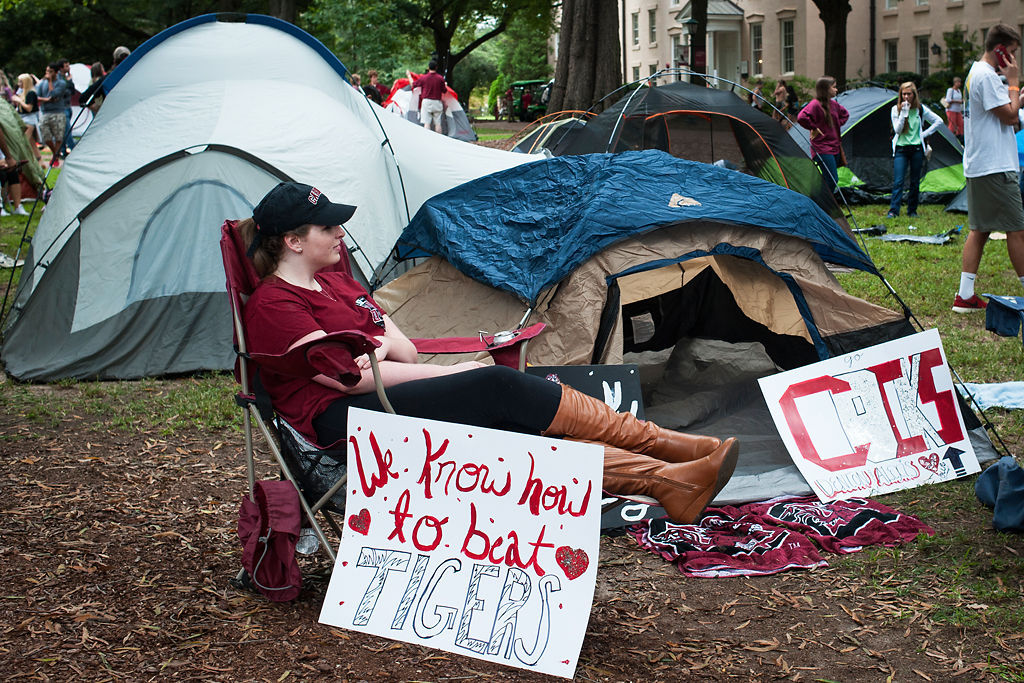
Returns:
(524, 229)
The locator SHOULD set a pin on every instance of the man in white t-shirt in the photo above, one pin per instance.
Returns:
(990, 160)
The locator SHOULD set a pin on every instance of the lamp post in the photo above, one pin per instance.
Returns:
(689, 27)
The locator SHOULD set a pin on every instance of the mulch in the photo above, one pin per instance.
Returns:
(118, 549)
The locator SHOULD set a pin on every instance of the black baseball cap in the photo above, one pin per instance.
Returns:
(292, 205)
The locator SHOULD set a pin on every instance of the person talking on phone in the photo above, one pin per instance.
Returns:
(990, 160)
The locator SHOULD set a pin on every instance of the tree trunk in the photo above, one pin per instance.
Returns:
(699, 41)
(833, 14)
(282, 9)
(588, 54)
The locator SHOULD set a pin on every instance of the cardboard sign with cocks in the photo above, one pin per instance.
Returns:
(880, 419)
(470, 540)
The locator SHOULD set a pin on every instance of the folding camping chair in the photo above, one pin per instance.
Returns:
(319, 474)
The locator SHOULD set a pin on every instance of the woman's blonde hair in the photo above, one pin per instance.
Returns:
(26, 82)
(268, 252)
(915, 102)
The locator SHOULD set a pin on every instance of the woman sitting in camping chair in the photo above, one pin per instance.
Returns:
(295, 233)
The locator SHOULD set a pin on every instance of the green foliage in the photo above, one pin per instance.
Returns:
(36, 32)
(523, 48)
(892, 79)
(369, 35)
(803, 85)
(961, 47)
(498, 87)
(474, 71)
(933, 87)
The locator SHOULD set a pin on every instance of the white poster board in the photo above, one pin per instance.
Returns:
(877, 420)
(470, 540)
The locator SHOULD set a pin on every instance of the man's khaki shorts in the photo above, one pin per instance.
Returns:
(993, 203)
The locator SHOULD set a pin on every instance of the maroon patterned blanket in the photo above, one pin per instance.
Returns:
(775, 535)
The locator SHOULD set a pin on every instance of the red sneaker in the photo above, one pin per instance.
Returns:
(961, 305)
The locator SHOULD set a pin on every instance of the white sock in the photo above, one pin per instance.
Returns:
(967, 285)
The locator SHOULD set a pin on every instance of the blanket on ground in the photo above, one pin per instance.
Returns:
(772, 536)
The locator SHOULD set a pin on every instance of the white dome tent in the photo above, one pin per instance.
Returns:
(123, 278)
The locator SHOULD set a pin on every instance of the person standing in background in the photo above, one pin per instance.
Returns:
(908, 146)
(51, 93)
(432, 88)
(780, 98)
(991, 164)
(824, 117)
(955, 109)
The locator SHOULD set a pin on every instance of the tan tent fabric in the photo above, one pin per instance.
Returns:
(434, 299)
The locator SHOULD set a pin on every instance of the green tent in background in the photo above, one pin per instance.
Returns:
(14, 133)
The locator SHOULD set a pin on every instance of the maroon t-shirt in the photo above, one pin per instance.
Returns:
(431, 84)
(278, 314)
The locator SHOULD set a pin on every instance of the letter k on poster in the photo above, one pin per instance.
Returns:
(880, 419)
(475, 541)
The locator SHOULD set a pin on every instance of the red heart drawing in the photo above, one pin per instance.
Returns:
(360, 522)
(572, 562)
(930, 462)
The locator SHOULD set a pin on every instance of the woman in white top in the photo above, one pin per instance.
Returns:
(28, 107)
(908, 146)
(955, 108)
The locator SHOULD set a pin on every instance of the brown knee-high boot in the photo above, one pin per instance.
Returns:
(683, 489)
(580, 416)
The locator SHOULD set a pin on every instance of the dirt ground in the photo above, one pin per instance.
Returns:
(118, 549)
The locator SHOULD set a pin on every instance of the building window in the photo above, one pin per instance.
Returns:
(756, 54)
(676, 56)
(636, 28)
(788, 46)
(652, 26)
(891, 4)
(923, 56)
(890, 55)
(922, 3)
(636, 73)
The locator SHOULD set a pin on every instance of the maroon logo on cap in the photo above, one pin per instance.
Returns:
(314, 195)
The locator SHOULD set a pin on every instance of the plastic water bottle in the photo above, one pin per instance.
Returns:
(308, 543)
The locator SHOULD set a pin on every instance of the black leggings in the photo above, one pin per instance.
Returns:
(497, 397)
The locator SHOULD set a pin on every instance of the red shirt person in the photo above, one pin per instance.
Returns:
(432, 89)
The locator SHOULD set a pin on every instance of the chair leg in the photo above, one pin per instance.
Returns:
(250, 465)
(307, 511)
(332, 522)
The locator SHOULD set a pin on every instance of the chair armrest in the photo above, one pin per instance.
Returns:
(503, 346)
(332, 355)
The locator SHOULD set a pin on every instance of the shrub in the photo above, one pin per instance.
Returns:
(892, 79)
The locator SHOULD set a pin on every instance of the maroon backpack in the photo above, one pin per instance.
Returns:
(269, 529)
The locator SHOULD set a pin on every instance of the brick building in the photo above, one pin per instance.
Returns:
(773, 38)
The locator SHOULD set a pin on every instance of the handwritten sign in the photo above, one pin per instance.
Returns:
(877, 420)
(470, 540)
